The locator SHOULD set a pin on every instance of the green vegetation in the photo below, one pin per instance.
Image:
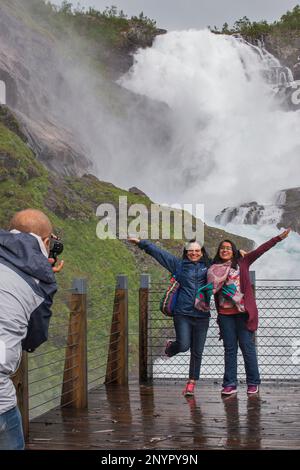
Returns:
(89, 36)
(104, 28)
(289, 22)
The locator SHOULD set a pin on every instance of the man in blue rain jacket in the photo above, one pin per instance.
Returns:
(27, 287)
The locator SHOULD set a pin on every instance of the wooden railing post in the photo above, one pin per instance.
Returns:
(75, 383)
(20, 380)
(143, 327)
(117, 358)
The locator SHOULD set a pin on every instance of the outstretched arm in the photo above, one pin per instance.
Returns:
(255, 254)
(166, 259)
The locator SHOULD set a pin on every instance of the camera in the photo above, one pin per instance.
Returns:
(56, 247)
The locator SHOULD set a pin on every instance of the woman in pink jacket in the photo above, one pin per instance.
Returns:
(229, 280)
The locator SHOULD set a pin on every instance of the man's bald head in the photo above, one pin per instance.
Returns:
(31, 221)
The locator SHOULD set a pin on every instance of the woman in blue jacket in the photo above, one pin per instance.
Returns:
(191, 325)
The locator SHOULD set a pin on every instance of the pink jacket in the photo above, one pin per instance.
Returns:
(245, 282)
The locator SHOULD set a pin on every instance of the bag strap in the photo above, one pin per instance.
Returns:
(177, 272)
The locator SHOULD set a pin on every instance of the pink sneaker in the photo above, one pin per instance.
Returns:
(168, 344)
(251, 389)
(189, 389)
(229, 390)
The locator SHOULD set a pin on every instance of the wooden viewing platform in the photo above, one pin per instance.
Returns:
(157, 416)
(65, 404)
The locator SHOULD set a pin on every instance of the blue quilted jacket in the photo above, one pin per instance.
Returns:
(189, 274)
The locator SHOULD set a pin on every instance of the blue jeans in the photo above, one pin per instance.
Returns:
(234, 332)
(190, 334)
(11, 431)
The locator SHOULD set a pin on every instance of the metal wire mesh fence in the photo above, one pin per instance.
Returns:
(46, 365)
(277, 339)
(83, 347)
(100, 309)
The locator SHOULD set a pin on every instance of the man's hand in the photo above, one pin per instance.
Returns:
(58, 268)
(136, 241)
(285, 234)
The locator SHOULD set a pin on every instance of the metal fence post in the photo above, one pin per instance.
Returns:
(143, 327)
(117, 359)
(20, 380)
(253, 284)
(74, 389)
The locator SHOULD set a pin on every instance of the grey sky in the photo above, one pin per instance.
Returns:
(184, 14)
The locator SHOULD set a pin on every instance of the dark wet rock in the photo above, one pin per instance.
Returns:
(291, 210)
(137, 191)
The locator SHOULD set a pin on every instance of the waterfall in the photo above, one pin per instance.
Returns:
(229, 138)
(251, 214)
(280, 198)
(2, 92)
(230, 141)
(277, 75)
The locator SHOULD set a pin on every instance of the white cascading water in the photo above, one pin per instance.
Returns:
(231, 141)
(276, 74)
(2, 92)
(254, 215)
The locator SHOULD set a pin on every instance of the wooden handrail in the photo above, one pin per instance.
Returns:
(75, 384)
(117, 358)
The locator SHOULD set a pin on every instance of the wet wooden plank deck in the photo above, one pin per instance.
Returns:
(158, 417)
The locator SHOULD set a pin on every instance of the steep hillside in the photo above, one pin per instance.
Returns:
(58, 65)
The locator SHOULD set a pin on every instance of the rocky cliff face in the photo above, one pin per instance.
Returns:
(282, 54)
(136, 36)
(291, 210)
(287, 49)
(27, 67)
(284, 212)
(44, 80)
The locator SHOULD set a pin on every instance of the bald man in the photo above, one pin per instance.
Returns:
(27, 287)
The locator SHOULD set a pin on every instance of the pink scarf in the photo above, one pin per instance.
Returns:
(226, 283)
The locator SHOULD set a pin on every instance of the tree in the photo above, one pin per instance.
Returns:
(225, 28)
(66, 8)
(291, 19)
(242, 24)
